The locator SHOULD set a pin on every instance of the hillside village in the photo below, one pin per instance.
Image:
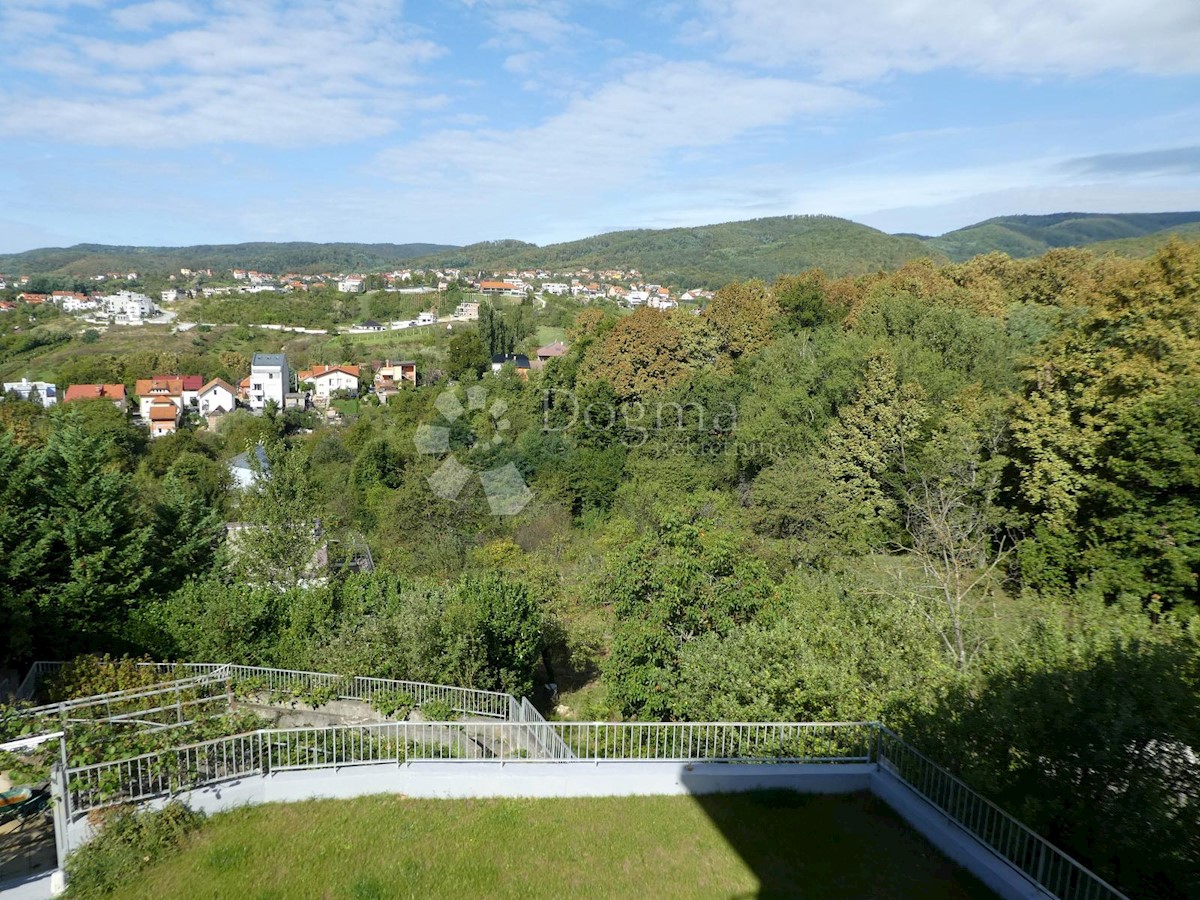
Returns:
(129, 307)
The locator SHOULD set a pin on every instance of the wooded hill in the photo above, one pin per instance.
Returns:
(1024, 236)
(294, 256)
(709, 255)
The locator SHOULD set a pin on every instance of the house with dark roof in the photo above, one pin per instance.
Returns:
(518, 361)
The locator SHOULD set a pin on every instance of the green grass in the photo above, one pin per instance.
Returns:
(761, 844)
(548, 334)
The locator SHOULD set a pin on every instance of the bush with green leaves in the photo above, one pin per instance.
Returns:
(438, 711)
(128, 841)
(393, 704)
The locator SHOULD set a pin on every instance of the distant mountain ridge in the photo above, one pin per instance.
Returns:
(708, 255)
(1020, 236)
(292, 256)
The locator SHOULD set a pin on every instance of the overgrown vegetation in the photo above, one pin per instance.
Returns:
(128, 842)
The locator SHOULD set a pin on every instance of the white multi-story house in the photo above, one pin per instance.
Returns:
(351, 285)
(427, 318)
(468, 309)
(170, 296)
(269, 380)
(557, 288)
(78, 303)
(42, 392)
(129, 307)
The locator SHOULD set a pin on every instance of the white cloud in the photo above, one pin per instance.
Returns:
(616, 136)
(142, 16)
(279, 72)
(860, 40)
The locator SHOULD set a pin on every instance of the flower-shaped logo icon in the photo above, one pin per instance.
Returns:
(505, 488)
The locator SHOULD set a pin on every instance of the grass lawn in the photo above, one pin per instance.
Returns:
(771, 843)
(548, 334)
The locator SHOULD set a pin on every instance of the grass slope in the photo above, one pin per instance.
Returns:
(1020, 236)
(761, 844)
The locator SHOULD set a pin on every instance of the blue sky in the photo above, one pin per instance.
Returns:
(175, 122)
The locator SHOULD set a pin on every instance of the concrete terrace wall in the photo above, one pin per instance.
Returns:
(460, 779)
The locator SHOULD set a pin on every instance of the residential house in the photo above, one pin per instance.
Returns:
(130, 307)
(112, 392)
(217, 395)
(327, 380)
(391, 377)
(244, 472)
(191, 390)
(366, 327)
(427, 318)
(519, 361)
(42, 392)
(163, 417)
(467, 310)
(160, 388)
(78, 303)
(7, 306)
(504, 288)
(351, 285)
(550, 351)
(269, 379)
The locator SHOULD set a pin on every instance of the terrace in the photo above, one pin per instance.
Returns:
(138, 747)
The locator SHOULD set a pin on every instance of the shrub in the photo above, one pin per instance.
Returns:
(128, 842)
(438, 711)
(393, 704)
(319, 695)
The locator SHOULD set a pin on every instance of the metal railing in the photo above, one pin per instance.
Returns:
(125, 703)
(549, 743)
(465, 701)
(281, 749)
(1041, 862)
(522, 734)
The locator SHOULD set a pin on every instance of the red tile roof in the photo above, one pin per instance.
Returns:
(163, 411)
(159, 385)
(318, 371)
(95, 392)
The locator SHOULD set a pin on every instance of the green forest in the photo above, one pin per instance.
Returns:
(959, 498)
(702, 256)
